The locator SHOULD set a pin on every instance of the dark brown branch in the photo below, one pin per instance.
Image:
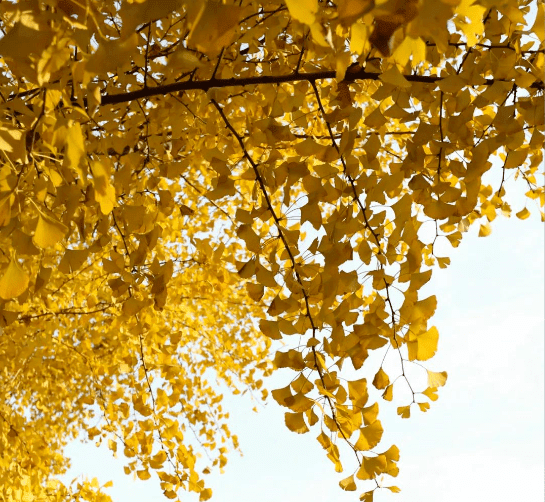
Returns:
(205, 85)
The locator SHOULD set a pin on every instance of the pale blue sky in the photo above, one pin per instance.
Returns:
(482, 440)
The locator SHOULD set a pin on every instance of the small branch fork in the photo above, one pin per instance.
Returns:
(282, 237)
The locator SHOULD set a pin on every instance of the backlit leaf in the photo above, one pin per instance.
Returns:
(303, 11)
(104, 191)
(186, 181)
(14, 281)
(48, 232)
(215, 26)
(393, 76)
(425, 345)
(436, 379)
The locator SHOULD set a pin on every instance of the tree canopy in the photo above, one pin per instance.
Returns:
(183, 182)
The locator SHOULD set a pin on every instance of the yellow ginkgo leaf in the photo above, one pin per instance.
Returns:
(424, 309)
(48, 232)
(381, 380)
(14, 282)
(281, 395)
(214, 26)
(104, 191)
(359, 36)
(436, 379)
(205, 494)
(393, 76)
(388, 394)
(370, 436)
(348, 484)
(367, 496)
(393, 489)
(370, 413)
(425, 345)
(292, 359)
(270, 329)
(472, 27)
(143, 474)
(357, 392)
(523, 214)
(415, 47)
(371, 466)
(158, 459)
(303, 11)
(424, 406)
(404, 411)
(295, 422)
(75, 148)
(485, 230)
(5, 209)
(392, 456)
(431, 393)
(539, 25)
(350, 10)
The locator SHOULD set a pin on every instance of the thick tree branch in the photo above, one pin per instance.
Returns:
(205, 85)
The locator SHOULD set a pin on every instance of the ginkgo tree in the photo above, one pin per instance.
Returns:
(182, 182)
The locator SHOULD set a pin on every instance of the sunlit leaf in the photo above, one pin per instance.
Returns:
(14, 281)
(185, 182)
(48, 232)
(436, 379)
(303, 11)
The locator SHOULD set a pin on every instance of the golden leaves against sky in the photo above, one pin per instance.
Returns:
(183, 184)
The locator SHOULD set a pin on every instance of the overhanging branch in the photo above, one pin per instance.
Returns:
(205, 85)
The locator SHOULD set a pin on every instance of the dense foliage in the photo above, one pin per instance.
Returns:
(183, 181)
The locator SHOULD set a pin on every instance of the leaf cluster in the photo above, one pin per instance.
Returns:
(182, 184)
